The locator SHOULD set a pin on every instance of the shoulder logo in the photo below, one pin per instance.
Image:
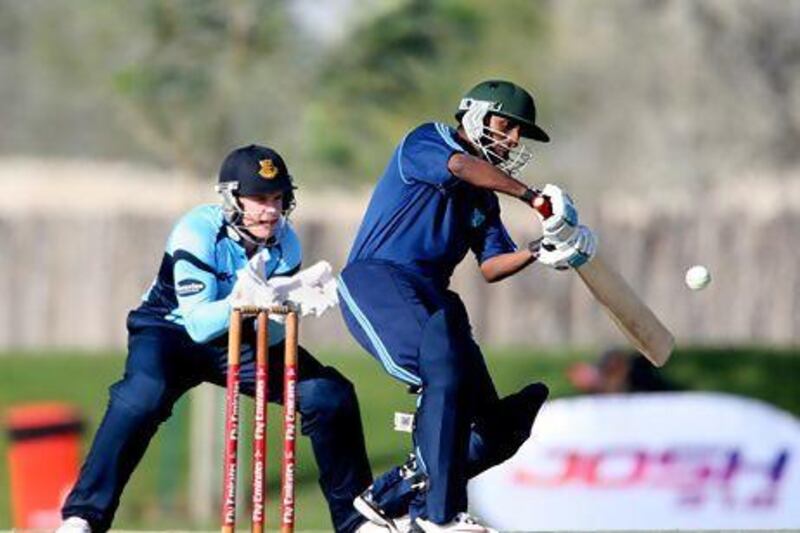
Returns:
(268, 169)
(189, 287)
(478, 218)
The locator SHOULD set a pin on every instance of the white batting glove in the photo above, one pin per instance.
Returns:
(562, 224)
(579, 249)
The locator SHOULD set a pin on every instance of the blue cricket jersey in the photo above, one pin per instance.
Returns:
(193, 285)
(422, 217)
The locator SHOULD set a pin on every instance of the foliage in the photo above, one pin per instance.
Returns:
(196, 63)
(409, 65)
(180, 82)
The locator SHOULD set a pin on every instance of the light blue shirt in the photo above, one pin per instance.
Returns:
(198, 270)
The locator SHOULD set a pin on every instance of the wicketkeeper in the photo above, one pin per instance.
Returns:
(242, 252)
(434, 203)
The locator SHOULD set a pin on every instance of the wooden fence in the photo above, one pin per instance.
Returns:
(69, 279)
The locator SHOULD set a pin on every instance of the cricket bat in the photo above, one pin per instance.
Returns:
(631, 315)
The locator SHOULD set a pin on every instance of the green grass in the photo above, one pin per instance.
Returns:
(156, 497)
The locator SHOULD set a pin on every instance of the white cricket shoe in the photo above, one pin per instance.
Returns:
(462, 523)
(370, 510)
(371, 527)
(403, 524)
(74, 524)
(365, 504)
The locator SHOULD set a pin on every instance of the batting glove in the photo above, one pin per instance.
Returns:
(562, 224)
(578, 250)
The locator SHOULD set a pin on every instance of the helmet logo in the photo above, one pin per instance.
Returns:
(268, 169)
(466, 103)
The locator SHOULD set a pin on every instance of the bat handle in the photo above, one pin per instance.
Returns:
(543, 205)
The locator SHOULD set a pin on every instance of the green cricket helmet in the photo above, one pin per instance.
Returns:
(505, 99)
(251, 171)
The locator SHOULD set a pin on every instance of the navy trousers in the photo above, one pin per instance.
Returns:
(421, 335)
(162, 364)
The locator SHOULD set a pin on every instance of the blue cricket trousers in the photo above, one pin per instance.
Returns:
(421, 335)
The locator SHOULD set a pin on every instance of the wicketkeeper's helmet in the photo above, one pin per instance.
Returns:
(254, 170)
(249, 171)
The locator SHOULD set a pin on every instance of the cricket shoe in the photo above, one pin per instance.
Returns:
(462, 523)
(74, 524)
(366, 503)
(371, 527)
(370, 510)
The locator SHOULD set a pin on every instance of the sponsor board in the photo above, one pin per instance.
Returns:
(649, 461)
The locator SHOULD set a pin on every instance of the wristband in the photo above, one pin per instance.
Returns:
(528, 196)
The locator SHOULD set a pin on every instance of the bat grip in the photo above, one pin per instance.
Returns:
(543, 205)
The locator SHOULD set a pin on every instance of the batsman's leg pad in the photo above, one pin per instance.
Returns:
(393, 491)
(497, 437)
(518, 411)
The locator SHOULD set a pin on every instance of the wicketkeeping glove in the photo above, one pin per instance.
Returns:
(251, 290)
(313, 289)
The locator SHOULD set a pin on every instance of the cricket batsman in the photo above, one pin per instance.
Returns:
(435, 202)
(219, 256)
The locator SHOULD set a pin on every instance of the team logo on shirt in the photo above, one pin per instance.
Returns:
(189, 287)
(477, 218)
(268, 169)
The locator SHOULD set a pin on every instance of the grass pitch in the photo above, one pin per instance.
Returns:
(156, 497)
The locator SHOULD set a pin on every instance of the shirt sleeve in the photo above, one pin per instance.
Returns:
(490, 238)
(205, 316)
(424, 153)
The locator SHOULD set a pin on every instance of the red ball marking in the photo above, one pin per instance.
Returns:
(543, 206)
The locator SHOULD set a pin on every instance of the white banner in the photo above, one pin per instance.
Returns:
(649, 461)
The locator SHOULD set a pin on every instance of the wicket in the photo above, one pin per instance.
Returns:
(260, 419)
